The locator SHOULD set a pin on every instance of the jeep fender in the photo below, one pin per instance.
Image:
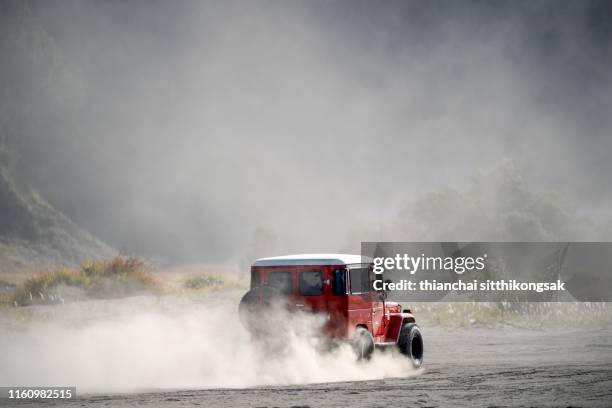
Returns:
(396, 322)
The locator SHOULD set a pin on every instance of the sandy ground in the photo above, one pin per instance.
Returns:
(463, 368)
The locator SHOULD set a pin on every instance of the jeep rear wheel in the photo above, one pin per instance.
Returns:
(410, 343)
(363, 343)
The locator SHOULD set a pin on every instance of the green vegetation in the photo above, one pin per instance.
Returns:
(209, 282)
(117, 277)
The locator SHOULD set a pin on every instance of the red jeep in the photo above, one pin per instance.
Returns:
(341, 288)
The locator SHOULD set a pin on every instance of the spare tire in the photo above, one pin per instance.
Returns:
(257, 303)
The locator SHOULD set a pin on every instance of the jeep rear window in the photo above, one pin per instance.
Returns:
(311, 283)
(282, 281)
(360, 281)
(254, 279)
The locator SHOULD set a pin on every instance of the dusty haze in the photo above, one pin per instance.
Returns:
(146, 343)
(179, 129)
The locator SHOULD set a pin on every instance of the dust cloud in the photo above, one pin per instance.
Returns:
(146, 343)
(152, 123)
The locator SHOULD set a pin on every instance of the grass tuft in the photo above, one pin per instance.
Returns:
(209, 282)
(117, 277)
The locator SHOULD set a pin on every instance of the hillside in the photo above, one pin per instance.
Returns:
(33, 234)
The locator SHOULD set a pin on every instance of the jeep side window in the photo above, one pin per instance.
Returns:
(282, 281)
(311, 283)
(360, 281)
(339, 284)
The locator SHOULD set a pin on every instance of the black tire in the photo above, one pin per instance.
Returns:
(410, 343)
(363, 343)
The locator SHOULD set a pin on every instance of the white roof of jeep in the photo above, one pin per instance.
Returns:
(313, 259)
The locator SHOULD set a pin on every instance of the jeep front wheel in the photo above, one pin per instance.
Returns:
(363, 343)
(410, 343)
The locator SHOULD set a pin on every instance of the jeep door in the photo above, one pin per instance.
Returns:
(310, 288)
(362, 310)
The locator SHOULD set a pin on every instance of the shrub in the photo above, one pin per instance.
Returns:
(208, 282)
(116, 277)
